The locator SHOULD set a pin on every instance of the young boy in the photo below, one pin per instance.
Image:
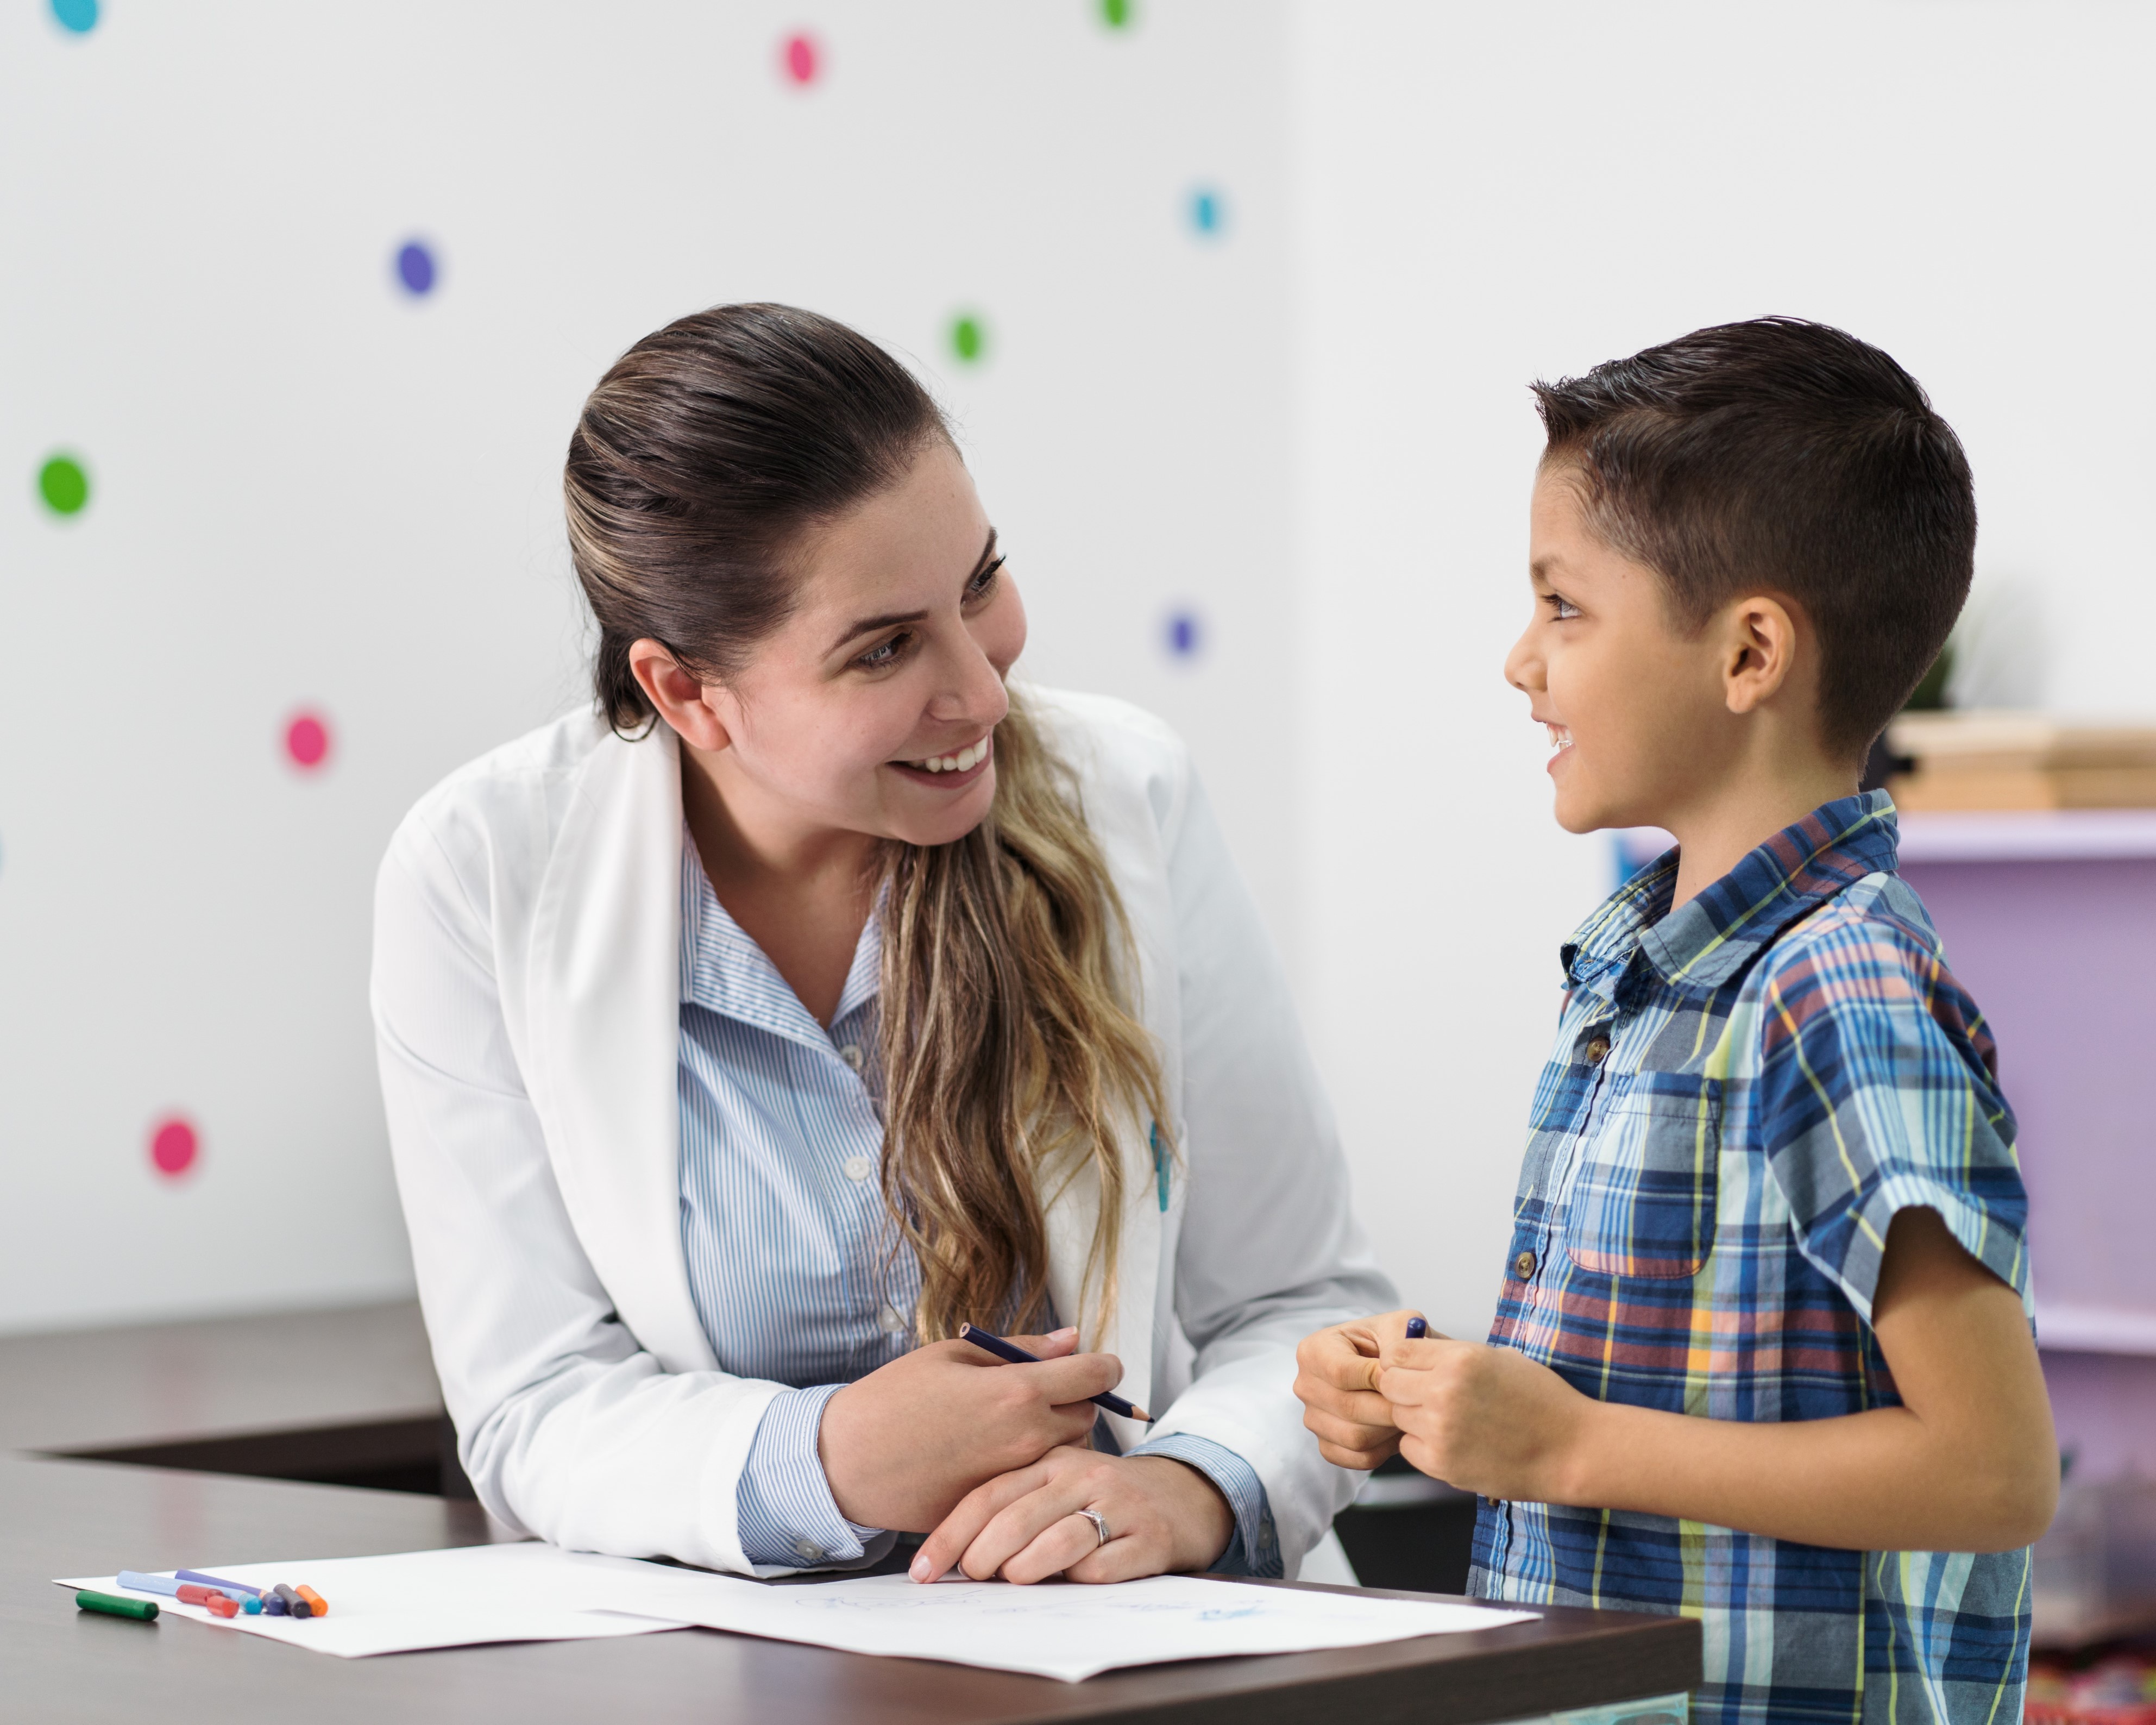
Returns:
(1764, 1354)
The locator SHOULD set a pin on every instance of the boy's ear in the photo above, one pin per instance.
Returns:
(1759, 643)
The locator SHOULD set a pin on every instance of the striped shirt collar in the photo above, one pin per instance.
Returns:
(1700, 946)
(725, 971)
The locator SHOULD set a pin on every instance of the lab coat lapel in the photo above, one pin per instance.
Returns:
(605, 1012)
(1070, 1219)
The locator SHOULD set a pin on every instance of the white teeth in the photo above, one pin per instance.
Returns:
(966, 758)
(1560, 738)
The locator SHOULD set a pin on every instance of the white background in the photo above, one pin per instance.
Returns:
(1310, 430)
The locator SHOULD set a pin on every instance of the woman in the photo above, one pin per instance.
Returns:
(820, 994)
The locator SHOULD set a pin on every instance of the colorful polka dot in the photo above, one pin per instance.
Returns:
(1183, 634)
(79, 16)
(416, 268)
(64, 484)
(1208, 211)
(1117, 14)
(307, 741)
(800, 58)
(174, 1144)
(969, 338)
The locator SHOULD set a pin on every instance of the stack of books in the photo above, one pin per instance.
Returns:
(2020, 760)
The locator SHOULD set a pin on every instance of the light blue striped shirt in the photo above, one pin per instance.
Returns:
(789, 1249)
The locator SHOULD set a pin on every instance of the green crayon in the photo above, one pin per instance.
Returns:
(112, 1606)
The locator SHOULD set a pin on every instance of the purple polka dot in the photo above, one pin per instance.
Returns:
(415, 268)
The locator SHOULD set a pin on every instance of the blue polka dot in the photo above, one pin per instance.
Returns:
(1182, 634)
(1208, 211)
(415, 268)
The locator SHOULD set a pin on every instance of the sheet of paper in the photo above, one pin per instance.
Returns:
(534, 1592)
(454, 1598)
(1053, 1630)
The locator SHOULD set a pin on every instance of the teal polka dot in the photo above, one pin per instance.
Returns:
(63, 485)
(79, 16)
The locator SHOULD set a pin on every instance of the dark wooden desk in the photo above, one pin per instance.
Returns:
(347, 1394)
(83, 1518)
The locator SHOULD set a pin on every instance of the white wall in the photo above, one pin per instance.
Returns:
(311, 489)
(1489, 193)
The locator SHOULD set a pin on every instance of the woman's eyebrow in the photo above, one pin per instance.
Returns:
(869, 625)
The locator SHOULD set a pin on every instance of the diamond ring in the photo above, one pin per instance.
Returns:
(1100, 1525)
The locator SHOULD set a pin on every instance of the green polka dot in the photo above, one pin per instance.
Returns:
(63, 485)
(1116, 14)
(969, 338)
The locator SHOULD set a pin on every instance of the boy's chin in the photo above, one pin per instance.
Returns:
(1584, 813)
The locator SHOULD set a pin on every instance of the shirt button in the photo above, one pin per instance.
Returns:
(808, 1551)
(858, 1167)
(1598, 1050)
(851, 1054)
(1524, 1266)
(888, 1321)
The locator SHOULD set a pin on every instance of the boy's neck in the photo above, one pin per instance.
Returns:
(1718, 825)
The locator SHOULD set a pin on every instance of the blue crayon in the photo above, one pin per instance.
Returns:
(272, 1606)
(1418, 1328)
(141, 1583)
(238, 1589)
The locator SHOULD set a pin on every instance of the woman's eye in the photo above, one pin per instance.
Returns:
(884, 653)
(985, 580)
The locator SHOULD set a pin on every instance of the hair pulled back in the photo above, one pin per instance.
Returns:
(1009, 1046)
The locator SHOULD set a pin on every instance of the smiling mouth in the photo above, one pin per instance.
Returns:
(960, 767)
(1560, 739)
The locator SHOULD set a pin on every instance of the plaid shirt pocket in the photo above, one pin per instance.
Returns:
(1643, 1204)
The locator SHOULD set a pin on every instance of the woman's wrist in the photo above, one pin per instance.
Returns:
(1204, 1523)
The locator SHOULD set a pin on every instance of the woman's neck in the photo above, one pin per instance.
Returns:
(801, 893)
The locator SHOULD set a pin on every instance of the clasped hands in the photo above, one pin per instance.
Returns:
(1486, 1419)
(990, 1460)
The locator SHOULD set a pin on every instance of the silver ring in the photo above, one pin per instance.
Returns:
(1100, 1525)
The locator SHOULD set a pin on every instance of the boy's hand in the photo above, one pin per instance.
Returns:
(1486, 1419)
(1337, 1378)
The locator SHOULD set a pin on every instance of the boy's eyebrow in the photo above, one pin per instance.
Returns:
(869, 625)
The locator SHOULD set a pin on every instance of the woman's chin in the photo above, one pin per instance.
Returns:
(947, 816)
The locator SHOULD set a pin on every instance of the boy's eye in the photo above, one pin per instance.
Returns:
(1561, 608)
(986, 580)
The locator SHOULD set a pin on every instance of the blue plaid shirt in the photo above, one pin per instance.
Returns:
(1743, 1093)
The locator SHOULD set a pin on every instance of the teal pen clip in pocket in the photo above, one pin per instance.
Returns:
(1159, 1167)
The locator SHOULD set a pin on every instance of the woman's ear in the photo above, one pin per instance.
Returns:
(678, 694)
(1759, 651)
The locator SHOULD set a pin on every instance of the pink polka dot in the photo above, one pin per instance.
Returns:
(801, 59)
(307, 740)
(173, 1145)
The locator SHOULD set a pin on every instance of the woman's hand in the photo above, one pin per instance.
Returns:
(1337, 1378)
(903, 1445)
(1162, 1516)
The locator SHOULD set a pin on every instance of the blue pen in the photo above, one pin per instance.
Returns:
(1418, 1328)
(991, 1344)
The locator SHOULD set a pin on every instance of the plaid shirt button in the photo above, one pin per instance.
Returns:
(1524, 1266)
(1598, 1050)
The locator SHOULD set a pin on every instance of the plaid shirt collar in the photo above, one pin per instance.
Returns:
(1635, 941)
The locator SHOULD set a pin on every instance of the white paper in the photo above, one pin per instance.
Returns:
(1056, 1629)
(532, 1592)
(456, 1597)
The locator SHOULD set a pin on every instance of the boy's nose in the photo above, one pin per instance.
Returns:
(1523, 666)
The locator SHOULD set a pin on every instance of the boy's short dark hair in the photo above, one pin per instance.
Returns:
(1788, 457)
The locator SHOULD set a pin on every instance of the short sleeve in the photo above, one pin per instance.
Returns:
(1877, 1094)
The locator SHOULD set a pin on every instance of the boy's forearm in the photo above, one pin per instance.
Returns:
(1879, 1480)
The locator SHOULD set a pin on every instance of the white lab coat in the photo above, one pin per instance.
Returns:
(527, 998)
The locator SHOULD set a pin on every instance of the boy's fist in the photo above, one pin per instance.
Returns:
(1337, 1378)
(1486, 1419)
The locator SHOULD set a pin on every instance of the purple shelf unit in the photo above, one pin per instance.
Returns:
(2050, 921)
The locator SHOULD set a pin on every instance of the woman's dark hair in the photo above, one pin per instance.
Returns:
(1790, 457)
(704, 454)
